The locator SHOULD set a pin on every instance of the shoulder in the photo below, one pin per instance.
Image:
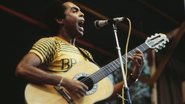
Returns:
(46, 41)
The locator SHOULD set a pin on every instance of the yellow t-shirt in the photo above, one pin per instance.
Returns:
(58, 54)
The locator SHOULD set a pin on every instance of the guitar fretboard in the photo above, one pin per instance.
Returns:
(114, 65)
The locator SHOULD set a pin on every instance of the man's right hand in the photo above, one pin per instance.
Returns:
(76, 87)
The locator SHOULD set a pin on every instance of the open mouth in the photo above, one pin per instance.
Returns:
(81, 23)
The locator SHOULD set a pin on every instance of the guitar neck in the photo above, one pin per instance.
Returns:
(114, 65)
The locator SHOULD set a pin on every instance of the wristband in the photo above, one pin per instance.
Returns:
(61, 80)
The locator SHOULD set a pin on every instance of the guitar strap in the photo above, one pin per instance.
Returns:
(86, 56)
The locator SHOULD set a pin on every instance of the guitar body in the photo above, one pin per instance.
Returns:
(46, 94)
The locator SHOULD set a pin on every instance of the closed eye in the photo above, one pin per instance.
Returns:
(75, 9)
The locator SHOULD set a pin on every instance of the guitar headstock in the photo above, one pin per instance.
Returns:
(157, 41)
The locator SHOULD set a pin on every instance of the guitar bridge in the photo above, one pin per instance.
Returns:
(64, 94)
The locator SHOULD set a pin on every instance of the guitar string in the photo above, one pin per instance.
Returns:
(143, 47)
(95, 77)
(131, 53)
(101, 73)
(112, 66)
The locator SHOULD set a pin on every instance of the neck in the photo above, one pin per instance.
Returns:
(72, 41)
(67, 37)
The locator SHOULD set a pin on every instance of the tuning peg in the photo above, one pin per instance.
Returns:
(168, 40)
(163, 46)
(156, 50)
(152, 36)
(160, 47)
(155, 34)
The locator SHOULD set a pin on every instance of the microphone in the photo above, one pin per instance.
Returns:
(101, 23)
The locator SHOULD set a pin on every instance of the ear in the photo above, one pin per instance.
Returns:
(59, 21)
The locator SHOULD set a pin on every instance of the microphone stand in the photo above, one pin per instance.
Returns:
(126, 88)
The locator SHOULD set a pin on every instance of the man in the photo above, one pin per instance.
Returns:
(59, 53)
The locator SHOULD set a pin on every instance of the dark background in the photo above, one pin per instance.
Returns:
(18, 34)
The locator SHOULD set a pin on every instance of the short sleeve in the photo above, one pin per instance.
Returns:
(45, 49)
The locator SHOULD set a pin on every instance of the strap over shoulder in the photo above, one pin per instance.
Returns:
(87, 55)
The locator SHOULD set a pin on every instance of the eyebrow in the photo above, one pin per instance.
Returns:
(75, 8)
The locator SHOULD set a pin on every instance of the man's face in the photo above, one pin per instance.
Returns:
(74, 20)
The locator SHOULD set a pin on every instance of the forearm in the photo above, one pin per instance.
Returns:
(36, 75)
(28, 68)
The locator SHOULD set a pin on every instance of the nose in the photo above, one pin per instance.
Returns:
(81, 14)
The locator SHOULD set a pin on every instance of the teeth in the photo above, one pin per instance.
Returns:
(81, 23)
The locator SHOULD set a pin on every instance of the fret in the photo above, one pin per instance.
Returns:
(114, 65)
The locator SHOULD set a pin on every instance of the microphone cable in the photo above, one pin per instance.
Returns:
(126, 57)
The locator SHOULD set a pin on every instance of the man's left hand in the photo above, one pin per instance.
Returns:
(136, 64)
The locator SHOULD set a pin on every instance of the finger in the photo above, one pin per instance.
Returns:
(78, 93)
(137, 57)
(82, 85)
(130, 58)
(81, 92)
(136, 54)
(82, 89)
(138, 60)
(139, 51)
(85, 87)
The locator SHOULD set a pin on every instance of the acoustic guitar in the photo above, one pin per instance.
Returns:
(96, 78)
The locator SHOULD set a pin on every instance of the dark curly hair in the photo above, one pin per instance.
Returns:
(53, 12)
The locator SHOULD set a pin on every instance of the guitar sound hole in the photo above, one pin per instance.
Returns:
(87, 81)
